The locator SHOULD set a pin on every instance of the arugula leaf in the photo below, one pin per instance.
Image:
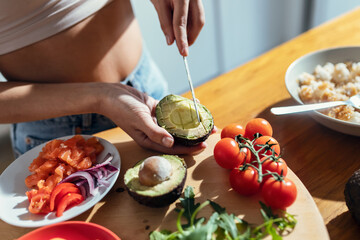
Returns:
(226, 221)
(188, 204)
(222, 225)
(162, 235)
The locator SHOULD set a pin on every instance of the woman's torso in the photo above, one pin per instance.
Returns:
(104, 47)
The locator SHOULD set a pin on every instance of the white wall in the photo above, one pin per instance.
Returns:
(324, 10)
(235, 32)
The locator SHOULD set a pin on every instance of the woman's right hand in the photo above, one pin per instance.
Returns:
(134, 112)
(180, 20)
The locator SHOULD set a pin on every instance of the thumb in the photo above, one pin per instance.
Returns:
(155, 133)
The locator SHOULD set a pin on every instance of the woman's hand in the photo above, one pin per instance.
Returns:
(134, 112)
(180, 20)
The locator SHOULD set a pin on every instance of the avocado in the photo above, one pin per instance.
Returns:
(156, 181)
(177, 115)
(352, 195)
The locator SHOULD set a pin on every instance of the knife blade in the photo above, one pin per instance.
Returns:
(191, 87)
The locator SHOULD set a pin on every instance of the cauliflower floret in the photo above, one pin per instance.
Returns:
(355, 117)
(329, 67)
(350, 89)
(323, 91)
(322, 73)
(341, 73)
(344, 112)
(306, 93)
(355, 71)
(305, 78)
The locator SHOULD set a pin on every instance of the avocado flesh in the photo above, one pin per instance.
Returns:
(161, 194)
(177, 115)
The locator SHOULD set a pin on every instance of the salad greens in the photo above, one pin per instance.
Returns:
(222, 225)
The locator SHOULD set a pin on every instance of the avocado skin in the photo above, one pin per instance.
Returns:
(190, 142)
(352, 195)
(162, 200)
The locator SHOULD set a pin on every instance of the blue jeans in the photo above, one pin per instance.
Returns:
(146, 77)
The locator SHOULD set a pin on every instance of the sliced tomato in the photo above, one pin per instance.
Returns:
(68, 201)
(60, 191)
(39, 203)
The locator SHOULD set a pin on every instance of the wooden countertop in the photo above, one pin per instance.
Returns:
(322, 159)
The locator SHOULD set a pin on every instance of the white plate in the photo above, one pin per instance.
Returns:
(13, 200)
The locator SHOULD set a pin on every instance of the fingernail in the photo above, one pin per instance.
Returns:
(168, 41)
(184, 51)
(167, 141)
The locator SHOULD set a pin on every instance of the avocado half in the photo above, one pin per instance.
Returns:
(162, 194)
(177, 115)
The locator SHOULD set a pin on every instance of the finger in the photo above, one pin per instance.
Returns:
(181, 8)
(214, 130)
(154, 132)
(196, 20)
(165, 14)
(176, 149)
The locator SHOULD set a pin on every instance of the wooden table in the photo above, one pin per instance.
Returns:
(323, 159)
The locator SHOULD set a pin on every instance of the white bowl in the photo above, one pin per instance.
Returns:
(308, 63)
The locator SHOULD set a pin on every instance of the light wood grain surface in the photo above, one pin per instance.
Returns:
(129, 220)
(322, 159)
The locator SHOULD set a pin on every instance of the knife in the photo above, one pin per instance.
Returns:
(191, 88)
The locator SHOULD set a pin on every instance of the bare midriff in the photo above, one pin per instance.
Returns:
(104, 47)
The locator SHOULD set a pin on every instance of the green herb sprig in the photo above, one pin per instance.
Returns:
(221, 225)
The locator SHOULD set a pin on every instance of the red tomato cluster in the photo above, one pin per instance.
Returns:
(253, 156)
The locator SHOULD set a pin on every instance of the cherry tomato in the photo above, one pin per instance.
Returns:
(68, 201)
(269, 140)
(232, 130)
(279, 194)
(258, 125)
(228, 154)
(59, 192)
(279, 166)
(245, 181)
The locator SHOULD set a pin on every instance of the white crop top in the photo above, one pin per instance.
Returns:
(24, 22)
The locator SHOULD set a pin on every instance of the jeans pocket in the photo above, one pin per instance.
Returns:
(32, 142)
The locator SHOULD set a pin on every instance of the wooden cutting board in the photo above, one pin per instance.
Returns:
(130, 220)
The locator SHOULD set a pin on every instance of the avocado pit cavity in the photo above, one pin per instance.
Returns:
(154, 170)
